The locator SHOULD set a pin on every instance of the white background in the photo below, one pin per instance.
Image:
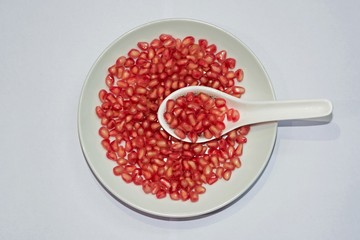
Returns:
(309, 190)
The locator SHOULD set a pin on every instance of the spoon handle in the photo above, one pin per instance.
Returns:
(255, 112)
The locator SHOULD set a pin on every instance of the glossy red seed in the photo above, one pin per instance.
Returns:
(175, 196)
(109, 80)
(111, 155)
(118, 170)
(104, 132)
(143, 45)
(203, 43)
(211, 180)
(126, 177)
(134, 53)
(102, 95)
(220, 102)
(180, 133)
(211, 48)
(156, 43)
(227, 175)
(106, 144)
(194, 196)
(239, 74)
(238, 150)
(99, 112)
(164, 37)
(235, 115)
(189, 40)
(221, 56)
(230, 63)
(120, 61)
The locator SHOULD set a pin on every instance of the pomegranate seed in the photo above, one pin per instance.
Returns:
(104, 132)
(229, 114)
(236, 161)
(238, 150)
(120, 61)
(211, 48)
(164, 37)
(111, 155)
(227, 175)
(211, 180)
(106, 144)
(180, 133)
(220, 102)
(146, 187)
(118, 170)
(175, 196)
(194, 196)
(188, 41)
(239, 74)
(126, 177)
(235, 115)
(134, 53)
(109, 80)
(203, 43)
(221, 56)
(230, 63)
(99, 112)
(184, 195)
(143, 45)
(156, 43)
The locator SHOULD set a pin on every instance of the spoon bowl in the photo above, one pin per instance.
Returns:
(251, 112)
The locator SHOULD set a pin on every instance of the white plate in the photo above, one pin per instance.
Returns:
(257, 151)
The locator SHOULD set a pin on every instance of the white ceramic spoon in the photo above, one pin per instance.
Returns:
(252, 111)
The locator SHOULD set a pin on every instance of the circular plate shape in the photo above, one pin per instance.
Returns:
(257, 150)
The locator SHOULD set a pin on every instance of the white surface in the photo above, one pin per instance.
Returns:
(309, 190)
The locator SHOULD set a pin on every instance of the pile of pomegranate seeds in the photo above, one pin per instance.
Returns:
(144, 153)
(195, 115)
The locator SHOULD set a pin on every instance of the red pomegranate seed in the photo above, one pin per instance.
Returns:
(104, 132)
(230, 63)
(194, 196)
(236, 161)
(109, 80)
(118, 170)
(132, 136)
(211, 180)
(180, 133)
(156, 43)
(221, 56)
(220, 102)
(143, 45)
(134, 53)
(175, 196)
(164, 37)
(184, 195)
(239, 74)
(106, 144)
(126, 177)
(203, 43)
(235, 115)
(188, 41)
(99, 112)
(227, 175)
(111, 155)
